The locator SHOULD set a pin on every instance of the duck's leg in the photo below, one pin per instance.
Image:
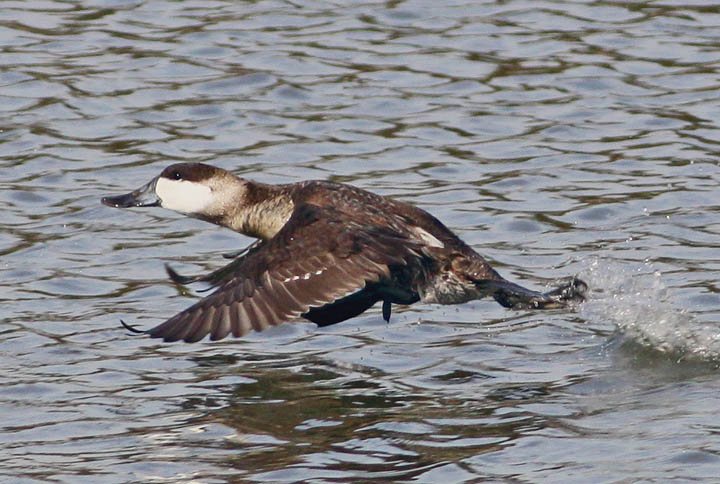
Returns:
(386, 310)
(514, 296)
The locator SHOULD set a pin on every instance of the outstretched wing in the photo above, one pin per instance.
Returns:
(315, 259)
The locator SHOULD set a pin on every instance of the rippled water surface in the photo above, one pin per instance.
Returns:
(558, 138)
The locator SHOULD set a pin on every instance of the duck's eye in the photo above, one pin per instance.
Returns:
(176, 175)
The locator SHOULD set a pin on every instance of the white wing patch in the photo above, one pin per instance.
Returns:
(427, 237)
(305, 276)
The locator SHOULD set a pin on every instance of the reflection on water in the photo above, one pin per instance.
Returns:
(557, 138)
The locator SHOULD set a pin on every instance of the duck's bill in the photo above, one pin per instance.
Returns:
(142, 197)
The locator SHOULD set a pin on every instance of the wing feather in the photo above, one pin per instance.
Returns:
(224, 324)
(285, 277)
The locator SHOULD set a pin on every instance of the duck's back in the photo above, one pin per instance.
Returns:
(367, 208)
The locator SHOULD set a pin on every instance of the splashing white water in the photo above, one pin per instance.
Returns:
(639, 303)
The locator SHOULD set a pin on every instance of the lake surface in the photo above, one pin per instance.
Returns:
(558, 138)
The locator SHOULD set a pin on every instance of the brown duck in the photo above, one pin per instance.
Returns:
(326, 252)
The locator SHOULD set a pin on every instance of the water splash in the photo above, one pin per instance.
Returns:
(639, 303)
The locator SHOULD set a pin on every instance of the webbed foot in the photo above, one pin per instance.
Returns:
(511, 295)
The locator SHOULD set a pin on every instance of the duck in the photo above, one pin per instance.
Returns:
(325, 252)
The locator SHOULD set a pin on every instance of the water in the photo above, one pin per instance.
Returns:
(558, 138)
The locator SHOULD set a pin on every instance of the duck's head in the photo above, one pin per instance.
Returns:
(215, 195)
(193, 189)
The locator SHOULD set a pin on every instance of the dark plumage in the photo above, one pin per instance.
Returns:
(327, 252)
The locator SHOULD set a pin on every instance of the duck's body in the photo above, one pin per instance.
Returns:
(327, 252)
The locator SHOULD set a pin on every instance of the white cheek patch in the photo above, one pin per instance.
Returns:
(183, 196)
(427, 237)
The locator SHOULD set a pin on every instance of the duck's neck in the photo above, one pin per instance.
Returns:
(262, 210)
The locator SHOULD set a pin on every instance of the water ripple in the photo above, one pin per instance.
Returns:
(557, 138)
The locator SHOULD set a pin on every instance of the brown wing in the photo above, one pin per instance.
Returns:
(316, 259)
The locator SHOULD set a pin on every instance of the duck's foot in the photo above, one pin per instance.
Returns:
(571, 292)
(514, 296)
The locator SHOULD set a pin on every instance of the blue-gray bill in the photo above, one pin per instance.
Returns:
(142, 197)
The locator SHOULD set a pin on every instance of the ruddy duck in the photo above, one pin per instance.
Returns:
(326, 252)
